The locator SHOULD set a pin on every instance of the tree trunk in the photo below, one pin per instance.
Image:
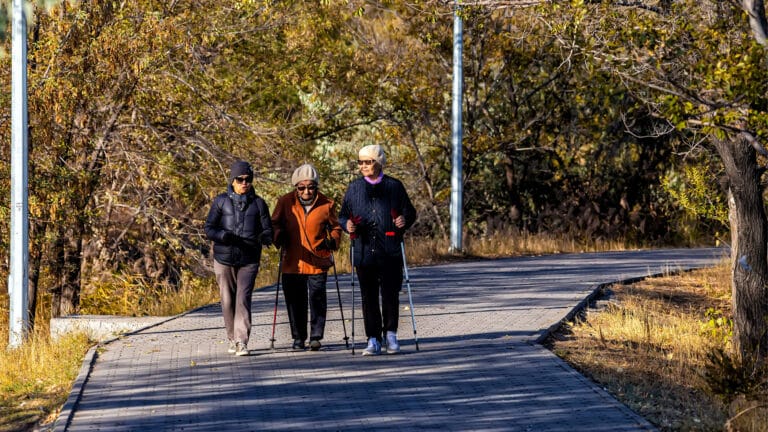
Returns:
(36, 230)
(516, 206)
(68, 256)
(749, 231)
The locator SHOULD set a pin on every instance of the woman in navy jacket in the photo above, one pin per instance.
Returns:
(376, 211)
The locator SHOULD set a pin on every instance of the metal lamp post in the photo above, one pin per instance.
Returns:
(19, 254)
(456, 133)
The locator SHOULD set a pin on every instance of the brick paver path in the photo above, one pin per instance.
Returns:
(479, 367)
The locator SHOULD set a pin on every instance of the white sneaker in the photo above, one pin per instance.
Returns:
(232, 348)
(242, 349)
(373, 348)
(393, 347)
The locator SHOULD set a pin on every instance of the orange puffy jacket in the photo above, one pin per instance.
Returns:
(301, 234)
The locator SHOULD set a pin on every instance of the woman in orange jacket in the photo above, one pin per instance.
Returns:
(307, 229)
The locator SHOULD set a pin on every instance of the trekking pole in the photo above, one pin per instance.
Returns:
(341, 309)
(395, 214)
(410, 298)
(277, 296)
(352, 236)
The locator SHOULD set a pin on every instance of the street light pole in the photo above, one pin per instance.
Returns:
(456, 132)
(18, 278)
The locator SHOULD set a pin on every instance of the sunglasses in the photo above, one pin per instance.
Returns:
(366, 162)
(303, 188)
(243, 180)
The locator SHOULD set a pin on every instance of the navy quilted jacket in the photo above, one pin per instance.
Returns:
(247, 217)
(377, 235)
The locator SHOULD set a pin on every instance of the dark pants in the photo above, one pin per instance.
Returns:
(235, 288)
(301, 291)
(385, 278)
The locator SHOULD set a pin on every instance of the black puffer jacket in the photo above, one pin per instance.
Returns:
(376, 233)
(248, 220)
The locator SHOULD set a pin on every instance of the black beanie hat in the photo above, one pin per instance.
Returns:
(240, 168)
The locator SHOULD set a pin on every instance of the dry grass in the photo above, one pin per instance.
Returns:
(503, 244)
(35, 379)
(126, 296)
(649, 347)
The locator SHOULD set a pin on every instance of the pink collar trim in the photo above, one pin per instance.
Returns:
(378, 179)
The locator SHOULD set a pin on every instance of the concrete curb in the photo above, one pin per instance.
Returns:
(100, 327)
(77, 389)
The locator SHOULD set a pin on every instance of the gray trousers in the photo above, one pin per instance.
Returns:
(236, 288)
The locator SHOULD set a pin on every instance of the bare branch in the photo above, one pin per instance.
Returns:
(747, 135)
(640, 5)
(504, 4)
(755, 144)
(498, 4)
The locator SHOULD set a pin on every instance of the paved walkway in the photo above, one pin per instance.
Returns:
(479, 366)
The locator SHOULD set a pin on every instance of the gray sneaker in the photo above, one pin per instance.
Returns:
(373, 348)
(241, 349)
(232, 348)
(393, 347)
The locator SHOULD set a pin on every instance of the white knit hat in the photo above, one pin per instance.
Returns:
(304, 172)
(373, 151)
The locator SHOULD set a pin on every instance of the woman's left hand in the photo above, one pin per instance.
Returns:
(400, 221)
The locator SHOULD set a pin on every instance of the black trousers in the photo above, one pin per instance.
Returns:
(301, 291)
(385, 279)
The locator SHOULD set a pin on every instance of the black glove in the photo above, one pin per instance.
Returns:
(327, 244)
(280, 240)
(228, 237)
(265, 238)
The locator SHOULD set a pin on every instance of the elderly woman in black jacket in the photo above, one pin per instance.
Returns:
(239, 224)
(376, 211)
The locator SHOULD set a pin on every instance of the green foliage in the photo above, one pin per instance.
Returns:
(695, 190)
(696, 64)
(546, 142)
(718, 326)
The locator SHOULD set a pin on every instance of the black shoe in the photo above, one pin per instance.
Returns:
(314, 345)
(298, 344)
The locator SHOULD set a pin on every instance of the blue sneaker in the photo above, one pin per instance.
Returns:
(373, 348)
(393, 346)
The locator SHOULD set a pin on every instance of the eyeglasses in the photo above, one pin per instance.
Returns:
(366, 162)
(243, 180)
(303, 188)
